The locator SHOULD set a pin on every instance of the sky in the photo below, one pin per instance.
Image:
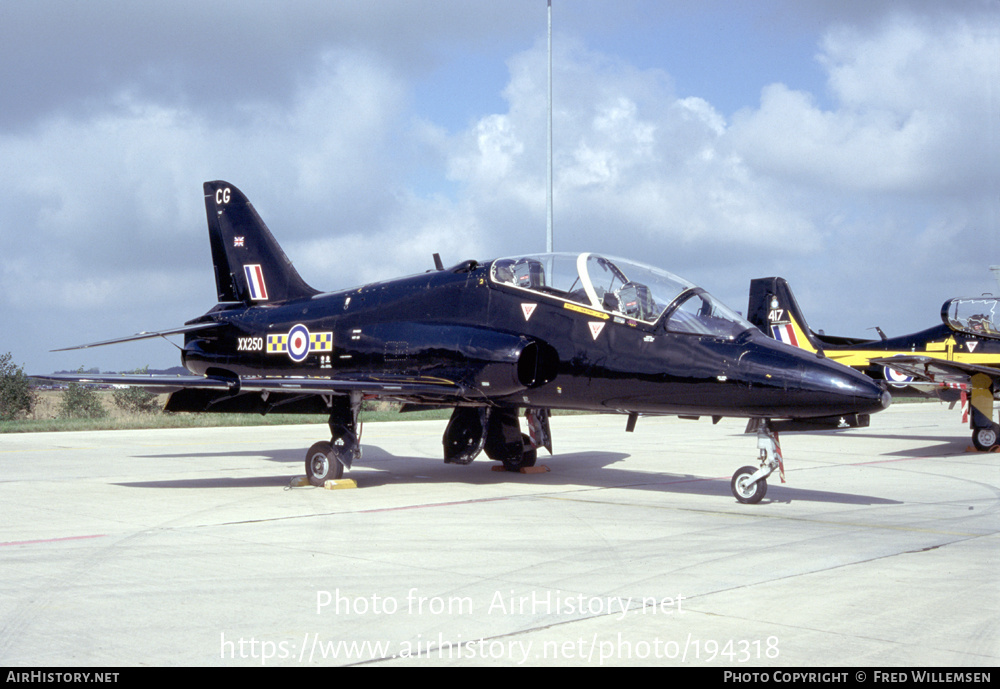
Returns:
(852, 147)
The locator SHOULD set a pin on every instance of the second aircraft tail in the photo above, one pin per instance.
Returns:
(773, 309)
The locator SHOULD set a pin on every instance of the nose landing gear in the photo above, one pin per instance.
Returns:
(749, 485)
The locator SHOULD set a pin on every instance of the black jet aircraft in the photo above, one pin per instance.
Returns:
(959, 358)
(488, 339)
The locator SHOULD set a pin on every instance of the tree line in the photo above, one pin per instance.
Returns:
(18, 398)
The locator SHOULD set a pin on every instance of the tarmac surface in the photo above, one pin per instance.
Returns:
(190, 548)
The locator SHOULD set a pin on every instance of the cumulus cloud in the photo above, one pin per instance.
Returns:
(900, 166)
(636, 167)
(914, 110)
(113, 192)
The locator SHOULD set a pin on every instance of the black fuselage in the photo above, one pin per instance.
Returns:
(505, 346)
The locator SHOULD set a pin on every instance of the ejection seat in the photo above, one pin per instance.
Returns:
(529, 274)
(635, 301)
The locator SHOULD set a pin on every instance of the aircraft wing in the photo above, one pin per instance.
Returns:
(384, 385)
(161, 382)
(376, 385)
(935, 370)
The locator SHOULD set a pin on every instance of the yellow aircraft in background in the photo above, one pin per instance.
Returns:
(958, 359)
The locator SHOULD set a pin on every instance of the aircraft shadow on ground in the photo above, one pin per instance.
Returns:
(935, 447)
(215, 482)
(592, 469)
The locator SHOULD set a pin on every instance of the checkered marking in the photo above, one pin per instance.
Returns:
(299, 343)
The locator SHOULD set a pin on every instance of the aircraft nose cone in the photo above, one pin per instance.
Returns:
(836, 389)
(794, 383)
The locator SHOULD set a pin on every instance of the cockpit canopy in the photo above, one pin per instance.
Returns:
(979, 316)
(622, 288)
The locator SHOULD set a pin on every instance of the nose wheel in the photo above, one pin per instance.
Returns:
(745, 488)
(749, 484)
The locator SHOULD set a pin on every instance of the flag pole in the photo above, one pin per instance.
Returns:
(548, 196)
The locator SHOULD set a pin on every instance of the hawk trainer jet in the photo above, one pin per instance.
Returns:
(489, 339)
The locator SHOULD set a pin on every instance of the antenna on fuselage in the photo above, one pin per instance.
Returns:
(548, 195)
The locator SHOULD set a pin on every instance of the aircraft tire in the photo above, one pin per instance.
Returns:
(322, 464)
(748, 493)
(986, 437)
(465, 434)
(525, 459)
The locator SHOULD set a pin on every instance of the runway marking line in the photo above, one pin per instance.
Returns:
(54, 540)
(784, 517)
(439, 504)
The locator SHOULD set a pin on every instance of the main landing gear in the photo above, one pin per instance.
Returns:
(984, 438)
(497, 431)
(326, 460)
(749, 485)
(470, 431)
(985, 431)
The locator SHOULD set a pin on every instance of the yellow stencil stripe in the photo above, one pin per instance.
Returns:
(586, 311)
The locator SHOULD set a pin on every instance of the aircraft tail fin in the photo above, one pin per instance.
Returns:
(250, 266)
(773, 309)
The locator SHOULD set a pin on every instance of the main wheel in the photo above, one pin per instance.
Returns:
(526, 459)
(464, 435)
(748, 492)
(322, 464)
(985, 438)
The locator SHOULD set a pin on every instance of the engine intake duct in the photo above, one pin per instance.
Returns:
(537, 365)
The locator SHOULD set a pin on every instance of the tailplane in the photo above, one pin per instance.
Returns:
(773, 309)
(250, 266)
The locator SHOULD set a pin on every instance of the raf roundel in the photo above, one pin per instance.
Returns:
(895, 378)
(298, 342)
